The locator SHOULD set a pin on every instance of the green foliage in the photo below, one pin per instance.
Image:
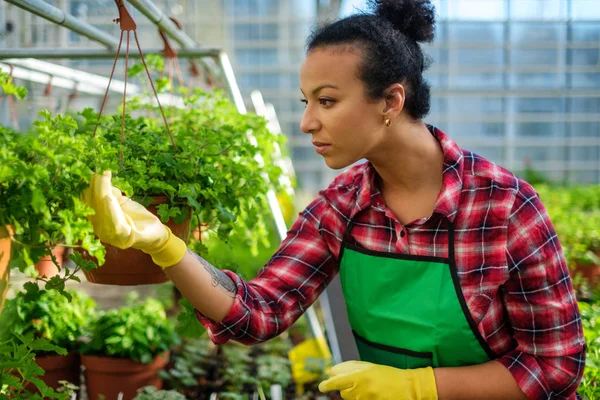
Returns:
(189, 364)
(8, 87)
(42, 175)
(575, 213)
(18, 369)
(590, 384)
(188, 325)
(137, 332)
(213, 171)
(151, 393)
(48, 315)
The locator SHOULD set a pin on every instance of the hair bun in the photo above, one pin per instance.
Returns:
(414, 18)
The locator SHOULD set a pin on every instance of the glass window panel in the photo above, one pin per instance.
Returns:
(440, 30)
(585, 56)
(536, 154)
(439, 56)
(477, 9)
(585, 80)
(534, 57)
(309, 180)
(477, 57)
(494, 154)
(293, 129)
(303, 8)
(538, 9)
(585, 32)
(584, 176)
(466, 130)
(269, 31)
(538, 81)
(474, 105)
(477, 32)
(584, 129)
(588, 153)
(245, 32)
(539, 129)
(439, 105)
(475, 81)
(585, 9)
(539, 105)
(270, 80)
(300, 30)
(531, 32)
(305, 153)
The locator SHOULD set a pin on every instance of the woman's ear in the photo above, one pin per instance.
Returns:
(394, 97)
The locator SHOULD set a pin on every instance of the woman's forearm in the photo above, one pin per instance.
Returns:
(210, 290)
(490, 381)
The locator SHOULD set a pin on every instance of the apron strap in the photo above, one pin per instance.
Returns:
(450, 241)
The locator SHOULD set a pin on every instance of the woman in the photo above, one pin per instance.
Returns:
(454, 279)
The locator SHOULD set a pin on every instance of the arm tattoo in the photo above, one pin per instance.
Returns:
(218, 278)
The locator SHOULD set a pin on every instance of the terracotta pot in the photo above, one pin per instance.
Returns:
(58, 368)
(134, 267)
(589, 272)
(5, 246)
(46, 267)
(110, 376)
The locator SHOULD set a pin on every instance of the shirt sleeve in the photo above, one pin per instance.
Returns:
(285, 288)
(549, 358)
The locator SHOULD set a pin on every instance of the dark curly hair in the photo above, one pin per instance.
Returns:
(389, 39)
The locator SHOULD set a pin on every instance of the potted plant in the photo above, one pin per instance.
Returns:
(48, 314)
(5, 251)
(208, 171)
(20, 375)
(51, 265)
(42, 174)
(126, 349)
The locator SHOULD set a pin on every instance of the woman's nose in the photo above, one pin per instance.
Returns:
(309, 123)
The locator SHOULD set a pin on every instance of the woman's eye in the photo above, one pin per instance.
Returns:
(304, 101)
(326, 102)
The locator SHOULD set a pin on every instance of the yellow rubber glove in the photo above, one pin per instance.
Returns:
(124, 223)
(360, 380)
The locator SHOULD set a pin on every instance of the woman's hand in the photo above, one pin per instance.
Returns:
(358, 380)
(124, 223)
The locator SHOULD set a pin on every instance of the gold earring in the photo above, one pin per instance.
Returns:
(388, 122)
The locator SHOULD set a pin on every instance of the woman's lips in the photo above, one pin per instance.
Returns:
(320, 147)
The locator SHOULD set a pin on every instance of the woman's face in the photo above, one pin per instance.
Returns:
(345, 125)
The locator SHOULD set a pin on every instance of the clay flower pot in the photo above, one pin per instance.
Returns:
(58, 368)
(5, 246)
(110, 376)
(47, 267)
(131, 266)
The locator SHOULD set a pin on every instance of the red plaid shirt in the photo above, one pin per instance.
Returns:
(509, 261)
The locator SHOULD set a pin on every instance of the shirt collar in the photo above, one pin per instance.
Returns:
(447, 202)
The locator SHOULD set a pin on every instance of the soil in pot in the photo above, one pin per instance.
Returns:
(109, 376)
(131, 266)
(5, 247)
(47, 267)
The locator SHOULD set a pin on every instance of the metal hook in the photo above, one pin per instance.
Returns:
(48, 88)
(125, 20)
(169, 51)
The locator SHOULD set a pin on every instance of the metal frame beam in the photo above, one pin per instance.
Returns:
(59, 53)
(162, 21)
(58, 16)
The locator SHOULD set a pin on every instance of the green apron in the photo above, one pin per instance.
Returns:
(409, 311)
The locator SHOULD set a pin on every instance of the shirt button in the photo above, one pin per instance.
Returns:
(402, 234)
